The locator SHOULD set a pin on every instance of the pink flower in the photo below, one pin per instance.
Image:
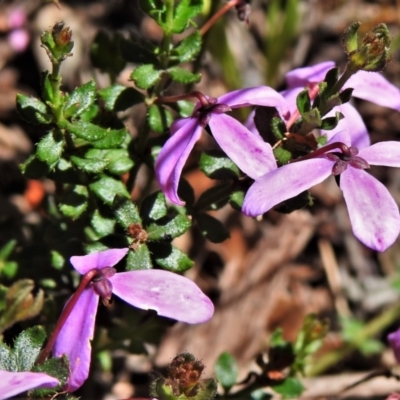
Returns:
(169, 294)
(374, 215)
(252, 155)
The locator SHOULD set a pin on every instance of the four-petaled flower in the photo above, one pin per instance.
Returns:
(13, 383)
(253, 156)
(169, 294)
(370, 86)
(374, 215)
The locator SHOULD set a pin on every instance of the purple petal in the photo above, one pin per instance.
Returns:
(75, 336)
(374, 87)
(13, 383)
(382, 153)
(290, 96)
(173, 156)
(352, 123)
(248, 151)
(256, 96)
(373, 213)
(284, 183)
(394, 341)
(101, 259)
(343, 136)
(303, 76)
(169, 294)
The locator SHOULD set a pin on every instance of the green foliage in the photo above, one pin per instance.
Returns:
(33, 110)
(18, 304)
(226, 371)
(182, 75)
(216, 165)
(119, 97)
(159, 118)
(25, 351)
(188, 48)
(289, 388)
(350, 330)
(145, 76)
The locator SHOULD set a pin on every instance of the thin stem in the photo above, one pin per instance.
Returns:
(312, 92)
(208, 25)
(66, 312)
(173, 99)
(343, 79)
(336, 145)
(372, 328)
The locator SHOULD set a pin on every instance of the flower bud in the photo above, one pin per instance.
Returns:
(183, 381)
(374, 51)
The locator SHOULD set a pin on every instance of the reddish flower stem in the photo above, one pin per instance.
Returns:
(87, 278)
(173, 99)
(230, 4)
(336, 145)
(312, 92)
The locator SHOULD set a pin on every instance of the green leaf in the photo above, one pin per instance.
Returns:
(113, 138)
(57, 367)
(27, 347)
(125, 212)
(50, 147)
(87, 131)
(236, 199)
(331, 78)
(7, 361)
(182, 75)
(47, 89)
(186, 108)
(102, 225)
(216, 165)
(226, 370)
(33, 110)
(350, 38)
(145, 76)
(106, 188)
(160, 119)
(20, 304)
(188, 48)
(91, 165)
(212, 228)
(278, 127)
(57, 260)
(154, 207)
(303, 102)
(117, 160)
(331, 122)
(282, 156)
(119, 97)
(33, 168)
(80, 100)
(289, 388)
(139, 258)
(105, 53)
(168, 228)
(185, 10)
(169, 257)
(214, 198)
(118, 166)
(74, 202)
